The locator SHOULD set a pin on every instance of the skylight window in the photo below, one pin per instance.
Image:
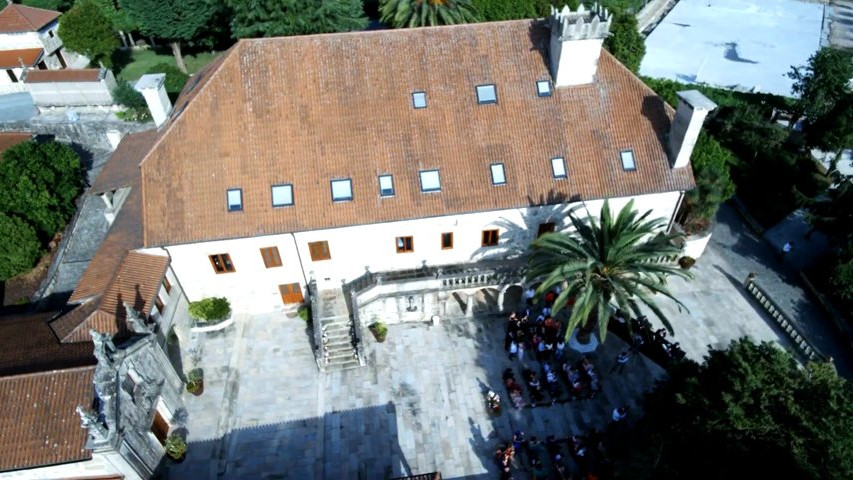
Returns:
(628, 160)
(430, 181)
(341, 190)
(498, 174)
(558, 167)
(386, 186)
(543, 88)
(419, 99)
(282, 195)
(487, 94)
(235, 199)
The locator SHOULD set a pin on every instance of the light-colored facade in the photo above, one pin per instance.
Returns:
(253, 287)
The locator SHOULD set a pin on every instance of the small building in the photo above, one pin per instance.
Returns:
(29, 40)
(70, 88)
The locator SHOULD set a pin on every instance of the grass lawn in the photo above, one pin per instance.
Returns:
(134, 64)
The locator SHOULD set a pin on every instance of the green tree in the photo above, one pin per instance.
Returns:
(39, 182)
(822, 83)
(832, 213)
(714, 185)
(175, 79)
(274, 18)
(85, 29)
(496, 10)
(749, 411)
(19, 246)
(625, 41)
(421, 13)
(832, 132)
(175, 21)
(842, 278)
(56, 5)
(136, 110)
(606, 260)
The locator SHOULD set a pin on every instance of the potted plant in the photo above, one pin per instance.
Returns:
(686, 262)
(211, 310)
(379, 331)
(195, 381)
(304, 313)
(176, 447)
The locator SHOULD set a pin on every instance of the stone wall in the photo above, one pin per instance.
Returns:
(89, 133)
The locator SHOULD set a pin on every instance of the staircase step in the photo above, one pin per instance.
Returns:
(351, 365)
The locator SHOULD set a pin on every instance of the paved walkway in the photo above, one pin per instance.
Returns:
(417, 407)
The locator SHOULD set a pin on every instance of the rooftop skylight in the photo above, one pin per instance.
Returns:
(419, 99)
(498, 174)
(628, 160)
(430, 181)
(543, 88)
(341, 190)
(235, 199)
(282, 195)
(558, 167)
(487, 94)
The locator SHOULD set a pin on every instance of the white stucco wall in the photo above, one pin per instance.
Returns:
(254, 288)
(98, 466)
(13, 41)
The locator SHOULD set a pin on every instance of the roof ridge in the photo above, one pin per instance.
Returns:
(22, 11)
(171, 124)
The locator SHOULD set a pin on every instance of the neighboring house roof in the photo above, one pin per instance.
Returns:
(29, 57)
(28, 344)
(340, 106)
(19, 18)
(62, 76)
(40, 425)
(122, 169)
(10, 139)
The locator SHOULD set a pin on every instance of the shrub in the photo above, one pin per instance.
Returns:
(195, 380)
(19, 246)
(842, 279)
(175, 78)
(304, 312)
(686, 262)
(379, 331)
(136, 110)
(212, 309)
(175, 447)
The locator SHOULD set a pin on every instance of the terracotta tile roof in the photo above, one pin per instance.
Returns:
(65, 326)
(339, 105)
(28, 344)
(40, 425)
(62, 76)
(122, 169)
(19, 18)
(14, 58)
(8, 139)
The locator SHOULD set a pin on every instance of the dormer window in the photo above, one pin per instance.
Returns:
(487, 94)
(282, 195)
(419, 99)
(543, 88)
(386, 186)
(235, 199)
(628, 163)
(558, 167)
(430, 181)
(342, 190)
(498, 174)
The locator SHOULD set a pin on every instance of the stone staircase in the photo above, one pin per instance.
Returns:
(336, 331)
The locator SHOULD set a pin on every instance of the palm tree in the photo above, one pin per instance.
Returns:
(422, 13)
(602, 261)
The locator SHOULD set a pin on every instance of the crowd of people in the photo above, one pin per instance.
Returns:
(550, 458)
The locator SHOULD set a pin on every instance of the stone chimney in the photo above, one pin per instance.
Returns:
(576, 39)
(152, 87)
(693, 107)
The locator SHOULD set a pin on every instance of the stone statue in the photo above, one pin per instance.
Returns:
(104, 347)
(89, 420)
(136, 322)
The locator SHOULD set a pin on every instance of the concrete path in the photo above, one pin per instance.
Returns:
(417, 407)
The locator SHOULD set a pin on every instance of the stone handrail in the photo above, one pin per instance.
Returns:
(782, 320)
(356, 328)
(316, 330)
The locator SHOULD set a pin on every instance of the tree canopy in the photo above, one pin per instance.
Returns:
(85, 29)
(19, 246)
(613, 259)
(57, 5)
(625, 41)
(749, 411)
(175, 21)
(714, 185)
(271, 18)
(823, 82)
(421, 13)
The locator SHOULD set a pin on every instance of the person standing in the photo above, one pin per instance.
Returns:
(529, 294)
(786, 249)
(621, 362)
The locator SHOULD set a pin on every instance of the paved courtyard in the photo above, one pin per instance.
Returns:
(417, 407)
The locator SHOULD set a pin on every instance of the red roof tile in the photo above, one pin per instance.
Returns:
(40, 426)
(28, 344)
(339, 105)
(19, 18)
(14, 58)
(63, 76)
(122, 169)
(9, 139)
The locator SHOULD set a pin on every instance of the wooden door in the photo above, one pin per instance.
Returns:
(291, 293)
(159, 427)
